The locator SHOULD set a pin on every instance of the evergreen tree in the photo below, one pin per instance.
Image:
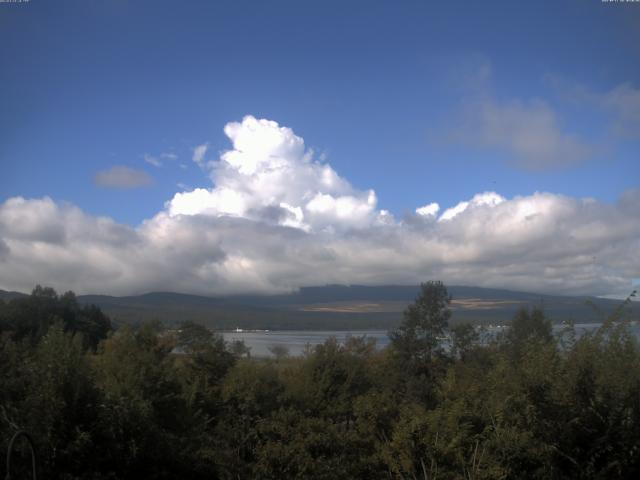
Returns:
(418, 338)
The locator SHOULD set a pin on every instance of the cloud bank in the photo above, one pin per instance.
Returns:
(529, 132)
(276, 218)
(622, 103)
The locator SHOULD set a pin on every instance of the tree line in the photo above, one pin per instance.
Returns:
(145, 402)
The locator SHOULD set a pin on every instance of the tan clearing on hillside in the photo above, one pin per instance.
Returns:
(355, 307)
(482, 304)
(397, 306)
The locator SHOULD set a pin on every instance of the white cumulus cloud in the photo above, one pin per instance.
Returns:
(431, 209)
(276, 219)
(486, 198)
(270, 176)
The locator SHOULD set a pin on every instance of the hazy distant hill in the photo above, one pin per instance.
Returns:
(6, 296)
(336, 307)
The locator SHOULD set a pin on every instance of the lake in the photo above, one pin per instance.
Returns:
(296, 340)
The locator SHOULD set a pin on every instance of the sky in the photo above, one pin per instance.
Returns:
(259, 146)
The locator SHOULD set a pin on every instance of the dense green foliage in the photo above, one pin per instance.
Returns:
(150, 403)
(30, 318)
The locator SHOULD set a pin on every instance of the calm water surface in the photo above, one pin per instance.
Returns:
(296, 341)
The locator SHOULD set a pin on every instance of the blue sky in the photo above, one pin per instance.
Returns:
(373, 85)
(419, 101)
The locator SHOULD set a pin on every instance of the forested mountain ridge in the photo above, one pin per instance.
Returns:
(6, 296)
(338, 307)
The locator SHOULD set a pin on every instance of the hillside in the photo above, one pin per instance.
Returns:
(6, 296)
(336, 307)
